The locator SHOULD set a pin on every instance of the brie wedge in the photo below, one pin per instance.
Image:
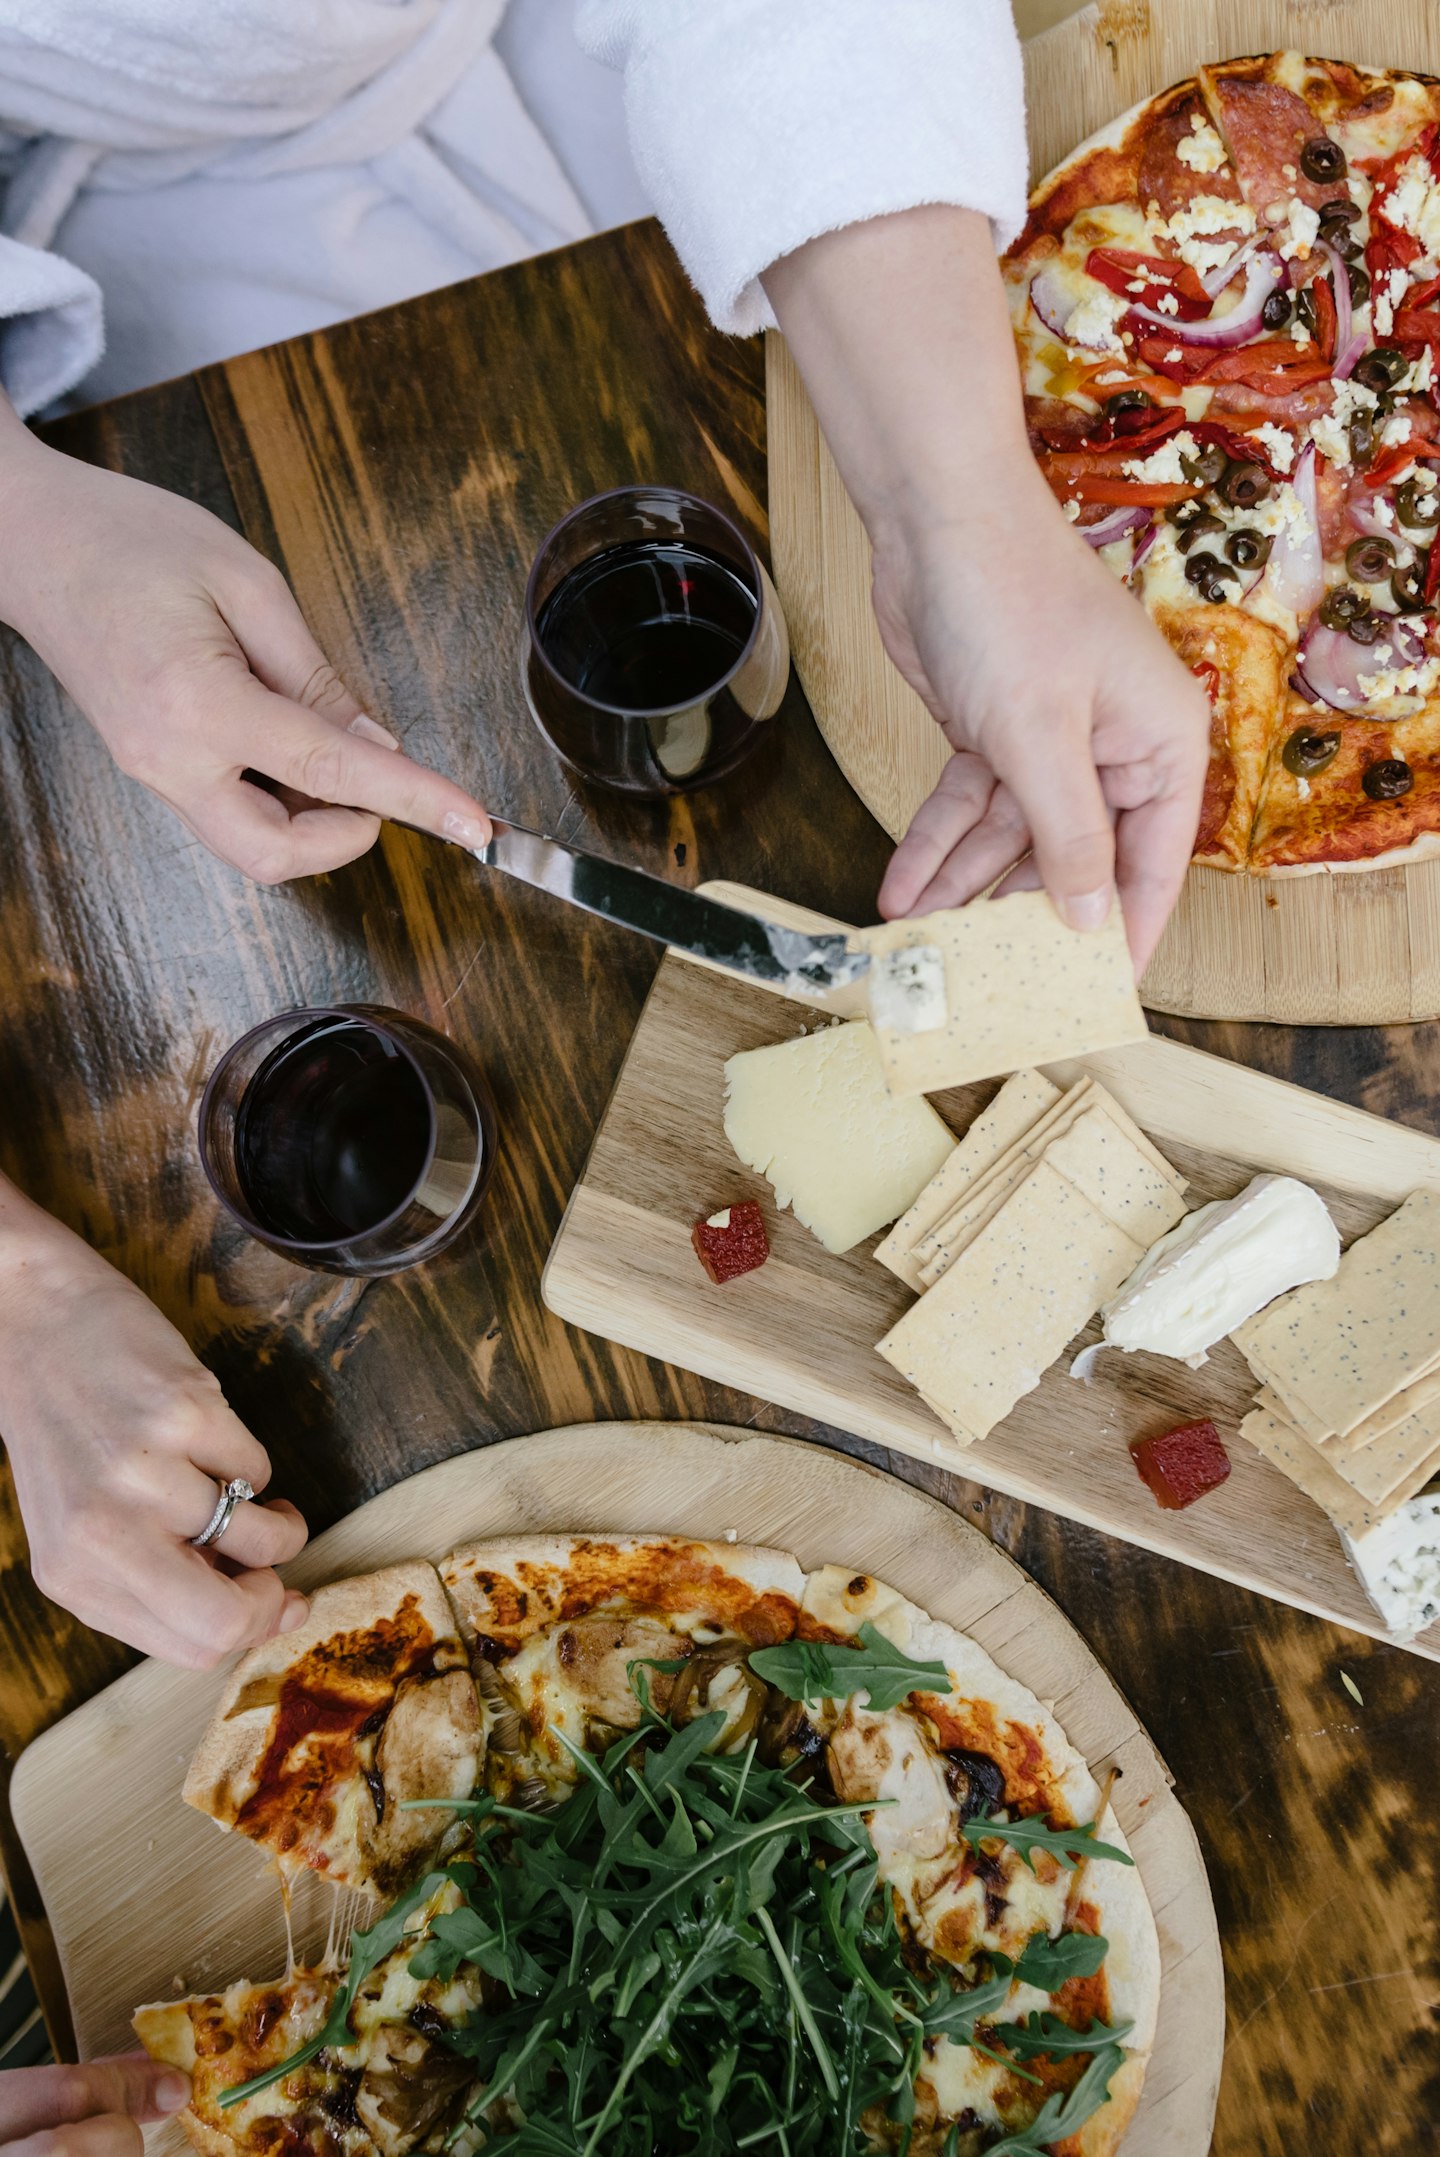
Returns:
(1221, 1265)
(1398, 1562)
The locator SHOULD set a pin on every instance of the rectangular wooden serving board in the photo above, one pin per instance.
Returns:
(801, 1330)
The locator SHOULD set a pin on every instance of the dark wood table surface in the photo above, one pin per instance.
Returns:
(401, 470)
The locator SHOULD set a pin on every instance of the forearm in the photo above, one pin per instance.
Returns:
(900, 328)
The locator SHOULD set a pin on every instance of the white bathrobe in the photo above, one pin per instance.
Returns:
(190, 178)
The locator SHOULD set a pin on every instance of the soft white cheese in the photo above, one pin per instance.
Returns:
(1418, 376)
(1190, 228)
(1162, 466)
(1397, 428)
(906, 990)
(1279, 444)
(1202, 150)
(1296, 226)
(1093, 325)
(1398, 1561)
(1388, 293)
(1407, 686)
(1414, 204)
(1221, 1265)
(1331, 431)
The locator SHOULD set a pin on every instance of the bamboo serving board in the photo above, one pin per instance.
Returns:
(148, 1900)
(1354, 949)
(801, 1330)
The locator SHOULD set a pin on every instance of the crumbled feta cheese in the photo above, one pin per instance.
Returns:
(1414, 204)
(1296, 226)
(1162, 467)
(1167, 304)
(1093, 323)
(1388, 294)
(1281, 511)
(1287, 172)
(1279, 444)
(1202, 150)
(1302, 788)
(1136, 284)
(1331, 439)
(1072, 511)
(1397, 428)
(1387, 683)
(1207, 214)
(1173, 354)
(1299, 332)
(1418, 376)
(1382, 512)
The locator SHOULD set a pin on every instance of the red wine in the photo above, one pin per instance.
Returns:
(647, 626)
(332, 1134)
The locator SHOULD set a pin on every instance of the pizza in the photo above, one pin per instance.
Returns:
(646, 1716)
(323, 1733)
(1227, 310)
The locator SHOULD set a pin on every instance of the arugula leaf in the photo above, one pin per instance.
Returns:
(811, 1670)
(1044, 2032)
(1059, 2117)
(366, 1950)
(1069, 1846)
(1047, 1963)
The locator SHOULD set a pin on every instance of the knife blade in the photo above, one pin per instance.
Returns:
(741, 943)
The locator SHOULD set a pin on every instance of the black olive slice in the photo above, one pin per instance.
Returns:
(1245, 484)
(1369, 561)
(1380, 369)
(1361, 434)
(1407, 586)
(1198, 528)
(1359, 284)
(1388, 780)
(1203, 569)
(1416, 505)
(1323, 159)
(1305, 308)
(1190, 511)
(1339, 210)
(1277, 310)
(1307, 752)
(1340, 607)
(1366, 627)
(1208, 467)
(1248, 549)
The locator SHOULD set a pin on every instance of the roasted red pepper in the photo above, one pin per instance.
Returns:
(1179, 1466)
(1118, 268)
(732, 1242)
(1322, 294)
(1390, 246)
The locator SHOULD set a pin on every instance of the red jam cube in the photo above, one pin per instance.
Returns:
(1181, 1465)
(731, 1242)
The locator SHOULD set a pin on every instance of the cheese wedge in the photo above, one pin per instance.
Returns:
(1398, 1563)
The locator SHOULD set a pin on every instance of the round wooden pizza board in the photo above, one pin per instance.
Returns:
(147, 1900)
(1361, 948)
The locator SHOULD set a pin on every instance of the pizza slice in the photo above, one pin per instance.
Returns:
(1241, 663)
(1345, 791)
(938, 1764)
(322, 1734)
(556, 1625)
(387, 2080)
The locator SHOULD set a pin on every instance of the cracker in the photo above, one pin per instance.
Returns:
(1295, 1457)
(1007, 1307)
(1008, 1169)
(1021, 987)
(1020, 1101)
(1415, 1397)
(1345, 1347)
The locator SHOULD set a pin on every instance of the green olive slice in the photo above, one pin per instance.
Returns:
(1307, 752)
(1340, 607)
(1369, 561)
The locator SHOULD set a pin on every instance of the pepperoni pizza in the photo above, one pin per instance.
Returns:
(1227, 307)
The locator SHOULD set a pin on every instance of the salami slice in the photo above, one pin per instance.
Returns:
(1265, 127)
(1172, 182)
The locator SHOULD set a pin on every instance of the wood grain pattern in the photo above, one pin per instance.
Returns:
(1349, 950)
(670, 1478)
(128, 960)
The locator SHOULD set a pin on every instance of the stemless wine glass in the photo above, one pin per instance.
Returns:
(655, 651)
(352, 1139)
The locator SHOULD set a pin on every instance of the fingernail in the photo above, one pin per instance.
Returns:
(171, 2093)
(371, 730)
(293, 1611)
(465, 831)
(1091, 910)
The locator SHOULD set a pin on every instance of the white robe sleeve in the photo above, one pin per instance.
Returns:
(51, 325)
(758, 124)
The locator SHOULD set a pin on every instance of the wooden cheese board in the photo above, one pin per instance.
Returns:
(148, 1900)
(1345, 950)
(801, 1331)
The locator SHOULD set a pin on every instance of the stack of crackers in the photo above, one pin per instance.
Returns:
(1043, 1210)
(1349, 1405)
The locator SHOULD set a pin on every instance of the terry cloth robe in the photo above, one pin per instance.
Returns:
(187, 181)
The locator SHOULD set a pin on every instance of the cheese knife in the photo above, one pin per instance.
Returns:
(797, 963)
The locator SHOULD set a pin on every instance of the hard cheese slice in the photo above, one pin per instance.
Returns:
(1021, 989)
(984, 1334)
(1344, 1347)
(1014, 1109)
(814, 1116)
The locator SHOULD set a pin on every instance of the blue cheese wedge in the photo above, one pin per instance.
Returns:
(1398, 1564)
(906, 990)
(1221, 1265)
(816, 1118)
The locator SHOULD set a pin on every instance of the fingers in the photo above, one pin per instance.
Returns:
(212, 1614)
(1061, 799)
(275, 638)
(263, 1535)
(107, 2134)
(1153, 848)
(937, 827)
(257, 834)
(995, 844)
(129, 2086)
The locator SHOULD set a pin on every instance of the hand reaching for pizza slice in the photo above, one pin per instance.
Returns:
(117, 1439)
(89, 2111)
(1077, 733)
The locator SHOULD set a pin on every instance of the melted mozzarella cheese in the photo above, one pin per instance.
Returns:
(963, 2080)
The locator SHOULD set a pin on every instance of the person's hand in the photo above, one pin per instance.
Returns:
(89, 2111)
(188, 654)
(1077, 732)
(117, 1438)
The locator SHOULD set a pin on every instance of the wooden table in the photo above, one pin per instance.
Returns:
(401, 469)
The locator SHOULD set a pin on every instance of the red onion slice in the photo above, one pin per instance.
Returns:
(1055, 304)
(1360, 508)
(1143, 545)
(1296, 569)
(1115, 526)
(1348, 346)
(1214, 281)
(1333, 662)
(1264, 273)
